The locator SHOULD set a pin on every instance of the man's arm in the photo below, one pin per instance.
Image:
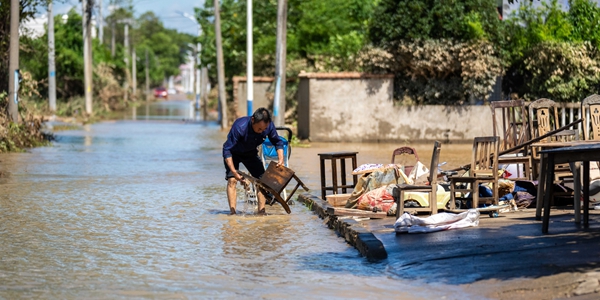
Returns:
(280, 157)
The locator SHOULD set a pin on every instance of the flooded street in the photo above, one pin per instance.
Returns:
(137, 209)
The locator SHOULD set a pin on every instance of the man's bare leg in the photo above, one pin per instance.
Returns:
(261, 201)
(232, 194)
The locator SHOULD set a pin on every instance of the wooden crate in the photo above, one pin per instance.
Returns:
(338, 199)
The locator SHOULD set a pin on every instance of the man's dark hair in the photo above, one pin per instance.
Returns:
(261, 114)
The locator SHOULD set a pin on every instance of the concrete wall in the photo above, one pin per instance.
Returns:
(263, 94)
(355, 107)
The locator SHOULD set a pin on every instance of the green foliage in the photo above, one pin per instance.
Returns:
(322, 31)
(551, 52)
(584, 17)
(397, 20)
(328, 35)
(442, 71)
(566, 72)
(166, 49)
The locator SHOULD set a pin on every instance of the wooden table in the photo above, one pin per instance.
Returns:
(579, 152)
(575, 167)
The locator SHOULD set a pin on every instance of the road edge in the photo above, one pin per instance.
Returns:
(352, 231)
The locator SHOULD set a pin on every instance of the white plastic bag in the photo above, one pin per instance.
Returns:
(418, 175)
(438, 222)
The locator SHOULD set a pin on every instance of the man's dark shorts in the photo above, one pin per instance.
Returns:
(250, 160)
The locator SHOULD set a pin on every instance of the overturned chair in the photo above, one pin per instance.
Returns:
(274, 181)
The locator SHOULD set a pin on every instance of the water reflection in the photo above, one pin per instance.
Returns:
(165, 110)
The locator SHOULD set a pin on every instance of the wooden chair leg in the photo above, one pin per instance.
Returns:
(452, 195)
(475, 194)
(401, 209)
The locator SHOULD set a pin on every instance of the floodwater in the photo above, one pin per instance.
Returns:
(137, 209)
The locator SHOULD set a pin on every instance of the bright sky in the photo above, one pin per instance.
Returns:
(169, 11)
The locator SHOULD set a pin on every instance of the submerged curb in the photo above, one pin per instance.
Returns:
(353, 232)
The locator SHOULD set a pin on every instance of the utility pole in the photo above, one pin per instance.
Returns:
(113, 29)
(126, 44)
(87, 53)
(249, 59)
(220, 68)
(100, 23)
(51, 62)
(280, 65)
(204, 91)
(195, 77)
(112, 38)
(134, 73)
(147, 69)
(13, 64)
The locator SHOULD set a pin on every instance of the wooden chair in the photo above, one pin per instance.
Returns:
(543, 118)
(405, 151)
(484, 169)
(510, 124)
(431, 189)
(591, 124)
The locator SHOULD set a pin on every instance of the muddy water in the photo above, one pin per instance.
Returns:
(137, 209)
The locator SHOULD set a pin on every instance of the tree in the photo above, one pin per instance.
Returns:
(462, 20)
(552, 52)
(28, 9)
(584, 17)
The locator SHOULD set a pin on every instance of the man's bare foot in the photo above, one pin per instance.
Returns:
(262, 212)
(232, 211)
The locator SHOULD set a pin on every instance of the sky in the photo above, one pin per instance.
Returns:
(166, 10)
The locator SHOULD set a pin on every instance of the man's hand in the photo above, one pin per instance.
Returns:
(280, 158)
(238, 177)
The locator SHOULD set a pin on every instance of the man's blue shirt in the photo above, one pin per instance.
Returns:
(243, 140)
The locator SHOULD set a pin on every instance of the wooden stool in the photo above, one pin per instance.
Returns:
(334, 156)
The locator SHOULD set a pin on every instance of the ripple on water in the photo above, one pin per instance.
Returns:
(138, 209)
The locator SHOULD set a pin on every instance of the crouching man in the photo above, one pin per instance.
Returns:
(243, 139)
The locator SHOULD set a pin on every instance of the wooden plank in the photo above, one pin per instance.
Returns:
(340, 211)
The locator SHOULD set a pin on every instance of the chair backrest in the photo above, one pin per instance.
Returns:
(405, 151)
(543, 118)
(484, 159)
(269, 149)
(435, 158)
(510, 123)
(591, 124)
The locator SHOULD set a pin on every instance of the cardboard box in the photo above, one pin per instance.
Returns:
(338, 200)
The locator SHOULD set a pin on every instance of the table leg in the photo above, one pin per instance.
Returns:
(540, 191)
(322, 162)
(576, 169)
(354, 177)
(586, 194)
(343, 173)
(334, 173)
(549, 178)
